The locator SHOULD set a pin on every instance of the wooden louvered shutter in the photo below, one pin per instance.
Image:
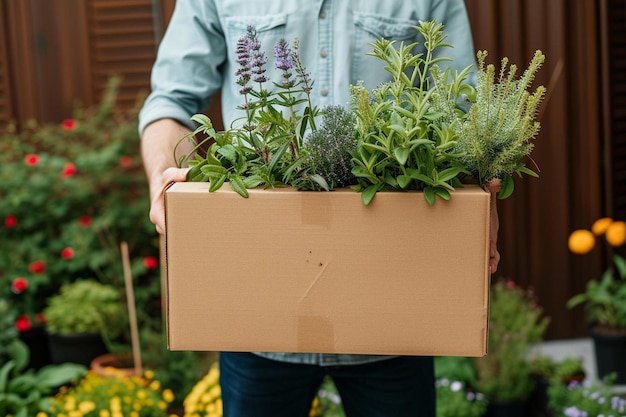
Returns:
(121, 42)
(615, 104)
(6, 112)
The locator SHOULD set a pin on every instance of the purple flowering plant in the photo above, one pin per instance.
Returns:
(427, 129)
(587, 399)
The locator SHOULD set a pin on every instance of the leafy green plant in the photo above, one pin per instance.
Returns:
(515, 325)
(456, 399)
(494, 137)
(590, 399)
(23, 391)
(403, 143)
(86, 306)
(412, 133)
(71, 193)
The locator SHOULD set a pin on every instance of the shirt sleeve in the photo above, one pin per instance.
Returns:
(186, 72)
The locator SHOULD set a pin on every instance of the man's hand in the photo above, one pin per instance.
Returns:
(157, 203)
(157, 147)
(494, 225)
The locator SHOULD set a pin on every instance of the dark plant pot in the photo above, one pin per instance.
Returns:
(36, 339)
(610, 352)
(79, 348)
(508, 409)
(538, 400)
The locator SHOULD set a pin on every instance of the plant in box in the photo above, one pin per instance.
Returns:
(82, 320)
(412, 133)
(605, 299)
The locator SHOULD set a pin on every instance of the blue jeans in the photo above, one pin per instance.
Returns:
(253, 386)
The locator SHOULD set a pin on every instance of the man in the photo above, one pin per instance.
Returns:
(196, 59)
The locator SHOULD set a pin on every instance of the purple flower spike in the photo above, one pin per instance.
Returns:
(282, 53)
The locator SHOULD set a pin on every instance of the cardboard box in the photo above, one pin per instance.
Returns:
(293, 271)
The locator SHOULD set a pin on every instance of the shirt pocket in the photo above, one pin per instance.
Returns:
(270, 29)
(368, 28)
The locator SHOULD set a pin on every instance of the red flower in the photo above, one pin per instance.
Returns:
(510, 285)
(37, 267)
(40, 318)
(150, 262)
(67, 253)
(10, 221)
(126, 161)
(84, 221)
(19, 285)
(69, 124)
(68, 170)
(31, 159)
(23, 323)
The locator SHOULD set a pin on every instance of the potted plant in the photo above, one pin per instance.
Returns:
(97, 395)
(604, 299)
(24, 390)
(82, 321)
(515, 324)
(586, 399)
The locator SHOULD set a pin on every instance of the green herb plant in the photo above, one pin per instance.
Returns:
(427, 129)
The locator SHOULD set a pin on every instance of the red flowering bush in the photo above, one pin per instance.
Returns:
(71, 192)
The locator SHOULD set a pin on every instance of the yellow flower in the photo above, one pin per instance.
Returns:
(155, 385)
(599, 226)
(116, 404)
(168, 395)
(148, 374)
(581, 241)
(86, 406)
(104, 413)
(616, 233)
(41, 414)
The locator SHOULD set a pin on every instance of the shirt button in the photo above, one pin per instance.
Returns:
(323, 53)
(324, 91)
(322, 15)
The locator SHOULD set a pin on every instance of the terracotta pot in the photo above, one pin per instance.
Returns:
(111, 364)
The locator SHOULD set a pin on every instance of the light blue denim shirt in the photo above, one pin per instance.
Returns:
(196, 59)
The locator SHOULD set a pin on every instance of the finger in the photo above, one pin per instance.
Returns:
(494, 186)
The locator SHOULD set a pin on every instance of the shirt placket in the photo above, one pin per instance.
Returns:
(324, 70)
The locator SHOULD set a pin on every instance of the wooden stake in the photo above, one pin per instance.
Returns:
(132, 312)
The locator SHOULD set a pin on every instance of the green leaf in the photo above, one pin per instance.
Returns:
(5, 371)
(404, 181)
(321, 181)
(443, 193)
(213, 169)
(402, 155)
(429, 194)
(229, 152)
(368, 194)
(252, 181)
(202, 119)
(237, 184)
(217, 183)
(53, 376)
(506, 187)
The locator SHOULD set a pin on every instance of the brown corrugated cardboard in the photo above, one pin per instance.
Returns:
(293, 271)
